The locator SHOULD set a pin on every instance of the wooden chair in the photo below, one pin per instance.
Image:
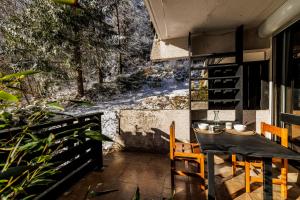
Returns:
(187, 152)
(281, 133)
(236, 163)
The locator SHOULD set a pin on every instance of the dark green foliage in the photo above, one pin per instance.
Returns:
(61, 41)
(154, 81)
(82, 103)
(137, 195)
(57, 39)
(11, 87)
(100, 92)
(100, 193)
(67, 2)
(45, 34)
(26, 156)
(130, 82)
(18, 172)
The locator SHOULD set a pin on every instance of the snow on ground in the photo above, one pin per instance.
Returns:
(172, 95)
(133, 99)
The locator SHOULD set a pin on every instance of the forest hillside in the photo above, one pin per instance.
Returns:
(95, 57)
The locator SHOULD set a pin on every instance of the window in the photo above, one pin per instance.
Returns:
(256, 85)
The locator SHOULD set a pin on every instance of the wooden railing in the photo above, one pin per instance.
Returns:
(78, 156)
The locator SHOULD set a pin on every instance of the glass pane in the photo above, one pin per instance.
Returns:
(296, 81)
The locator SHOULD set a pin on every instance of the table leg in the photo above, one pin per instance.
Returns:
(268, 179)
(211, 176)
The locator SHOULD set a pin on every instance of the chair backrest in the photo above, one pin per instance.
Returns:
(274, 130)
(172, 139)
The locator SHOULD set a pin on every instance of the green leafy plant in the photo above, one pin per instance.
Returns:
(137, 195)
(8, 97)
(67, 2)
(10, 93)
(82, 103)
(10, 87)
(99, 193)
(55, 105)
(27, 162)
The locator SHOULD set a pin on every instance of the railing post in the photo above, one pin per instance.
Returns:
(97, 147)
(73, 158)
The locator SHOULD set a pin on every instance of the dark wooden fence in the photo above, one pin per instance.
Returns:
(75, 160)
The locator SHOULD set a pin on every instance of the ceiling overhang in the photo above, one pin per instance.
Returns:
(176, 18)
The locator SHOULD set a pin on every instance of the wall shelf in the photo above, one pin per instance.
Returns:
(215, 78)
(222, 100)
(209, 67)
(213, 55)
(218, 85)
(214, 89)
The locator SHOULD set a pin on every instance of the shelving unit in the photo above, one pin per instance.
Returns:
(215, 85)
(221, 85)
(216, 78)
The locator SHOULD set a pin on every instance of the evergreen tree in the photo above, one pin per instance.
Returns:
(56, 38)
(101, 37)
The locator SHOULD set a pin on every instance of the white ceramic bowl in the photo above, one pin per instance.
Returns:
(203, 126)
(239, 127)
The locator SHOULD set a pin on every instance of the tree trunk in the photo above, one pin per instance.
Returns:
(77, 60)
(29, 83)
(99, 66)
(37, 85)
(100, 75)
(119, 34)
(77, 54)
(80, 89)
(24, 92)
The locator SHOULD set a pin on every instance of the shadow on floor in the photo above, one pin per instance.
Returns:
(125, 171)
(156, 141)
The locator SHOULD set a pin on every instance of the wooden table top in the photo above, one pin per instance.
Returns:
(252, 145)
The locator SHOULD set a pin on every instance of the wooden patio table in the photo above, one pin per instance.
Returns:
(250, 146)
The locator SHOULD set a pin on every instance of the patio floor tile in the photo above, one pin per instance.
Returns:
(125, 171)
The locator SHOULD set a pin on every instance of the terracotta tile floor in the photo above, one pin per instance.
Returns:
(125, 171)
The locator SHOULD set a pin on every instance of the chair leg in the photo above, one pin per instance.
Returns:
(247, 175)
(284, 171)
(200, 172)
(173, 168)
(202, 168)
(198, 167)
(186, 165)
(200, 162)
(233, 161)
(283, 190)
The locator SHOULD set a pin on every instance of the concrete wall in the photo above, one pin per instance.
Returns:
(262, 116)
(225, 42)
(213, 43)
(169, 49)
(148, 130)
(207, 43)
